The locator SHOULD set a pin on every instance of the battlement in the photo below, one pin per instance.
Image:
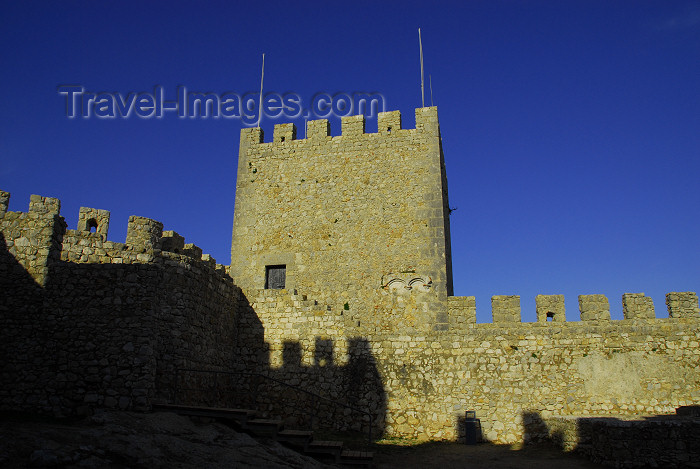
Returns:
(145, 239)
(592, 308)
(388, 125)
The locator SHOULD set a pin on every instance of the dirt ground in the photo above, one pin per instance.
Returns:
(481, 456)
(121, 440)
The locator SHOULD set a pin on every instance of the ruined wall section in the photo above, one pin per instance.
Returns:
(347, 215)
(100, 323)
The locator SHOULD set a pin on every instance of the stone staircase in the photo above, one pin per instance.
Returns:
(300, 440)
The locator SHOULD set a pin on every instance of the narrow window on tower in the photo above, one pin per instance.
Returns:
(275, 276)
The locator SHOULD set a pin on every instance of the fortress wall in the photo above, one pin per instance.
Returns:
(504, 370)
(89, 322)
(345, 214)
(205, 323)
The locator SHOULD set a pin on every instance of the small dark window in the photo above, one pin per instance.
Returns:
(275, 276)
(550, 316)
(92, 225)
(388, 129)
(281, 139)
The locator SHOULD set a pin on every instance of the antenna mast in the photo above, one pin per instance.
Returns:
(422, 92)
(430, 80)
(262, 75)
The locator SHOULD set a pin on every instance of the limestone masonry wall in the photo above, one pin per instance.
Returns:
(86, 321)
(502, 370)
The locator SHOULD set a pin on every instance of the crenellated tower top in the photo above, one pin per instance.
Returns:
(329, 214)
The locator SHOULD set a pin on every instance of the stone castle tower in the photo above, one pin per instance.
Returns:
(358, 221)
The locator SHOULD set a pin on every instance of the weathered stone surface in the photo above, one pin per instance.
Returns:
(4, 202)
(505, 308)
(94, 219)
(682, 304)
(550, 308)
(636, 305)
(594, 307)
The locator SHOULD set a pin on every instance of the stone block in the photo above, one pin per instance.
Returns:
(252, 135)
(318, 129)
(637, 306)
(352, 125)
(143, 234)
(207, 259)
(192, 250)
(505, 308)
(4, 202)
(682, 304)
(44, 205)
(427, 119)
(594, 307)
(284, 133)
(172, 242)
(461, 310)
(388, 122)
(90, 219)
(550, 308)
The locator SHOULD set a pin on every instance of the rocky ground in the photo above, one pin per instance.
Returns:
(133, 440)
(111, 439)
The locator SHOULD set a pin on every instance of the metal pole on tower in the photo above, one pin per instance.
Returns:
(262, 75)
(430, 80)
(422, 92)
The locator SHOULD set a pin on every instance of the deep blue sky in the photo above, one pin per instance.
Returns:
(571, 130)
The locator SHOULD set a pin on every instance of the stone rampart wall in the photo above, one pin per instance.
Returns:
(503, 371)
(90, 322)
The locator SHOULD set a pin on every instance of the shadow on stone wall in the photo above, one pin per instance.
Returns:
(356, 384)
(535, 430)
(112, 335)
(658, 441)
(74, 343)
(117, 335)
(323, 395)
(15, 280)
